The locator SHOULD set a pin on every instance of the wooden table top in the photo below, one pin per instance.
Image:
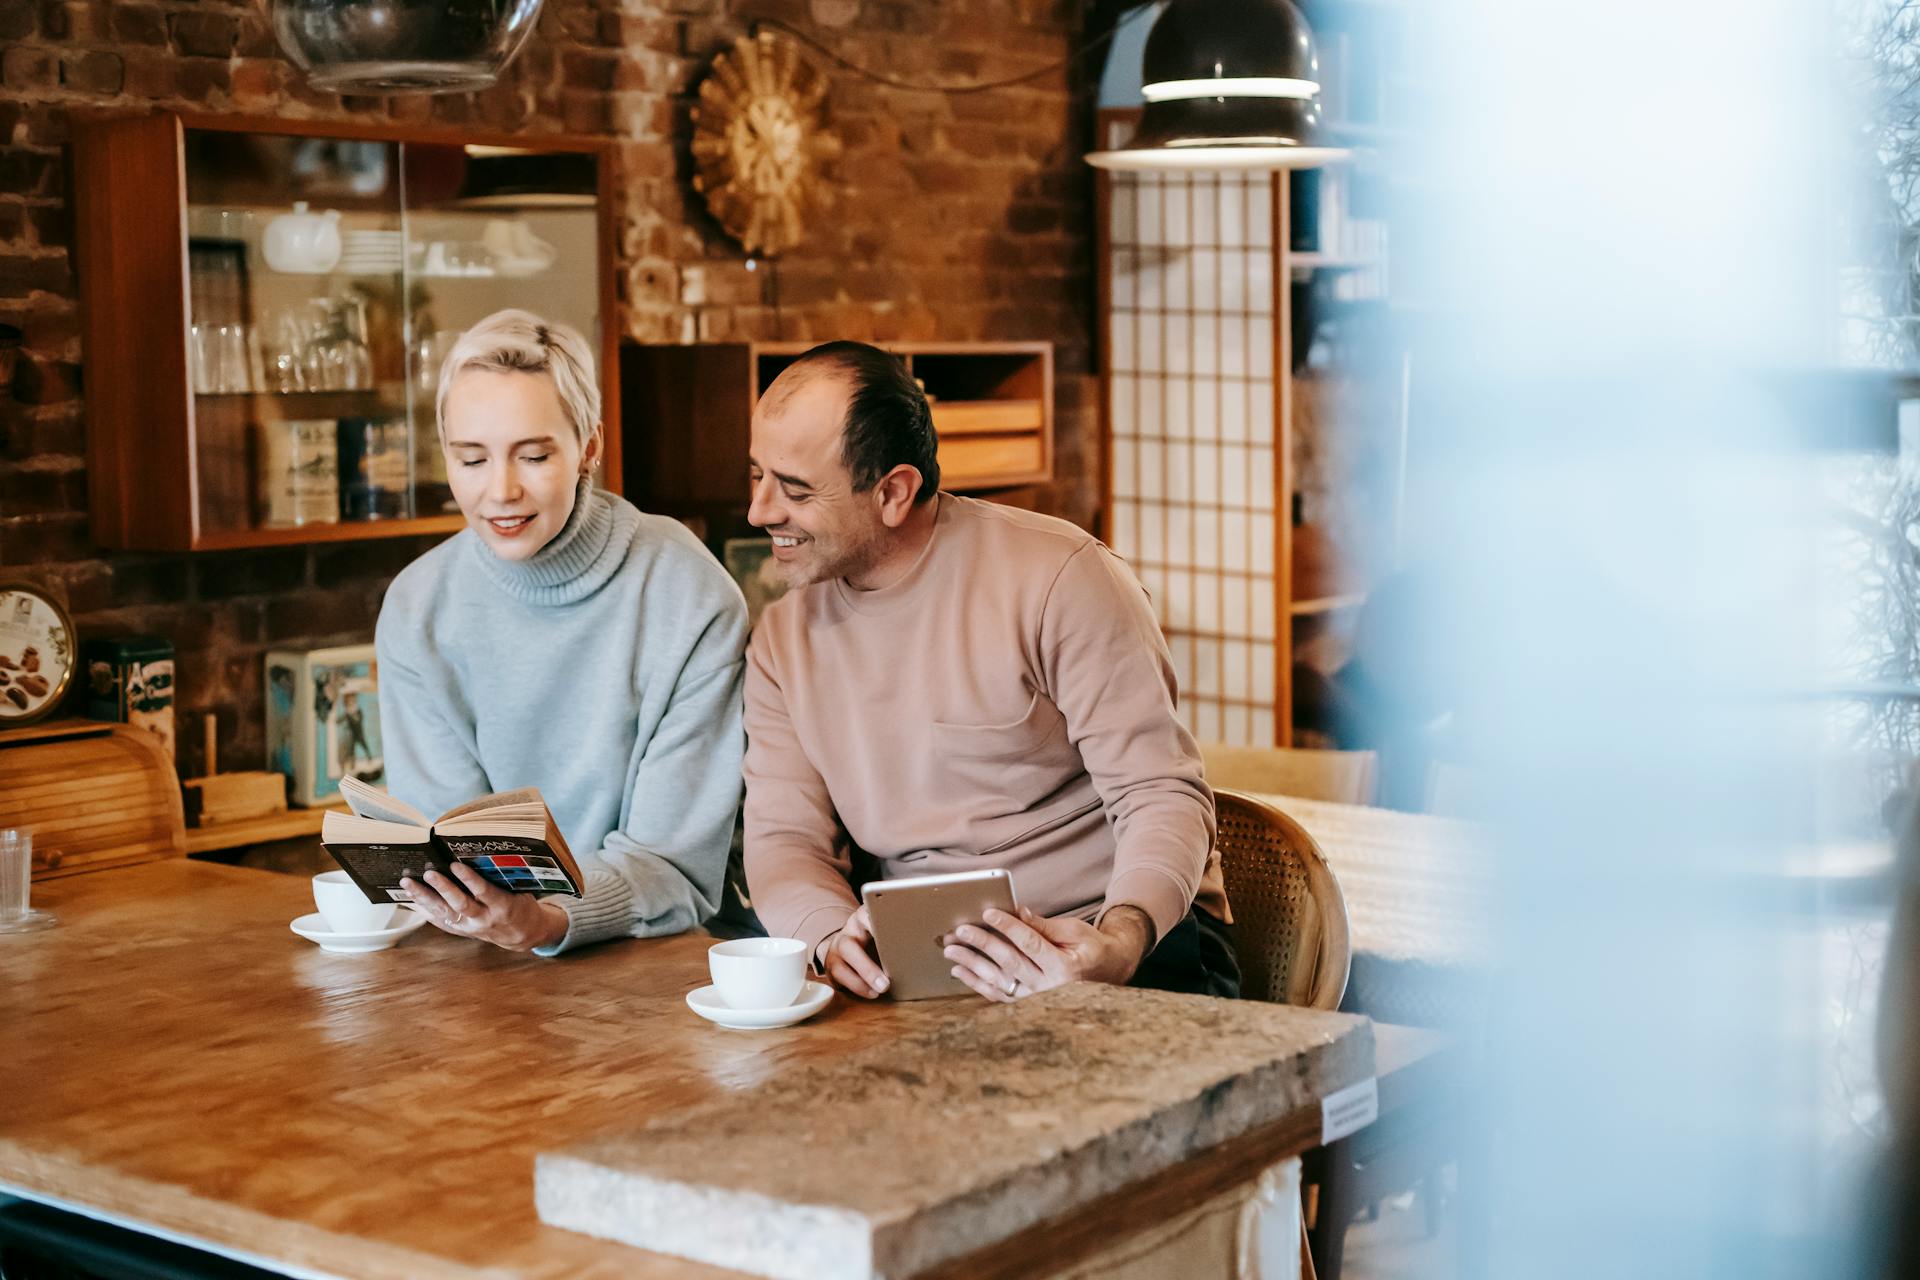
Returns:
(179, 1060)
(1417, 887)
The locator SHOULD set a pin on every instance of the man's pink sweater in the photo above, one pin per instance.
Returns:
(1007, 703)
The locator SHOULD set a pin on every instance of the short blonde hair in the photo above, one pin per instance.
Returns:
(519, 341)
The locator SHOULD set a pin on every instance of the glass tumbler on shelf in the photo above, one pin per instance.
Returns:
(286, 360)
(220, 358)
(430, 351)
(236, 373)
(318, 359)
(16, 884)
(282, 370)
(358, 359)
(200, 357)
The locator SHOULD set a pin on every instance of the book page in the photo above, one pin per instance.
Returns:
(371, 802)
(348, 828)
(497, 818)
(521, 795)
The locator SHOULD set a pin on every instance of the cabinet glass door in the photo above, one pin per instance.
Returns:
(297, 332)
(488, 228)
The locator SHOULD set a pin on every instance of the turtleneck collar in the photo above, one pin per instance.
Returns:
(579, 560)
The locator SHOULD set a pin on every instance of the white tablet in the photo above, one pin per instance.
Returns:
(911, 916)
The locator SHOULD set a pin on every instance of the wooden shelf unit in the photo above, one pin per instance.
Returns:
(170, 469)
(688, 408)
(293, 824)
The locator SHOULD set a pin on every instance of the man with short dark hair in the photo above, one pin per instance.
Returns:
(954, 685)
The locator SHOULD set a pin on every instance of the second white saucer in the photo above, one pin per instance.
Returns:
(707, 1003)
(313, 927)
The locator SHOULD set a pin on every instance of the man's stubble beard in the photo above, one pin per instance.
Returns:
(851, 563)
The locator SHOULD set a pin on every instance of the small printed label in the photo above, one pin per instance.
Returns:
(1351, 1109)
(400, 895)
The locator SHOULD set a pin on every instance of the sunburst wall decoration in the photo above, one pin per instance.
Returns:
(758, 139)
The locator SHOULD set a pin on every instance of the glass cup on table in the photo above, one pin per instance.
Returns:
(16, 884)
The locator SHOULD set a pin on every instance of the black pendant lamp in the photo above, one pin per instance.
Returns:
(402, 46)
(1229, 84)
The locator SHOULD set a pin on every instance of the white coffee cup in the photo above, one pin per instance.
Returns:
(345, 908)
(758, 973)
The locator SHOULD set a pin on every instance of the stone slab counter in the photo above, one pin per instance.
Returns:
(954, 1136)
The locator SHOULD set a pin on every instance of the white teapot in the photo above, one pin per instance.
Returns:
(303, 243)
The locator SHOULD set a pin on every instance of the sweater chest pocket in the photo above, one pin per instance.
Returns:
(1006, 769)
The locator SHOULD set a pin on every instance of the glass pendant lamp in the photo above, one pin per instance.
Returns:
(402, 46)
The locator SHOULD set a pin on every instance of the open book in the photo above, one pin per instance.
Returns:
(510, 838)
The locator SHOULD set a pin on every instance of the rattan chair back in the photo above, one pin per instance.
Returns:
(1289, 918)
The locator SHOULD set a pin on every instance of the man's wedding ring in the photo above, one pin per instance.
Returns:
(1012, 985)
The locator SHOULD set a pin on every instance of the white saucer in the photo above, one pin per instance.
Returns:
(313, 928)
(707, 1003)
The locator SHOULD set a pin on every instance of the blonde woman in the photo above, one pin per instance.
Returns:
(567, 641)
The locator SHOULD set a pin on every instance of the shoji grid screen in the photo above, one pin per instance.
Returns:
(1194, 406)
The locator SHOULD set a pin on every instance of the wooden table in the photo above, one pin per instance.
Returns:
(177, 1061)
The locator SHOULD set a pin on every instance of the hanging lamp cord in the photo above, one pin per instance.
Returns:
(981, 86)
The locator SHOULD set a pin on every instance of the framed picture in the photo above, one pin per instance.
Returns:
(323, 720)
(750, 561)
(36, 654)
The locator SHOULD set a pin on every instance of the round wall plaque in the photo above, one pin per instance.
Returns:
(758, 138)
(36, 654)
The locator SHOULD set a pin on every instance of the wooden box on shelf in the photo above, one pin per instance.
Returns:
(688, 410)
(248, 284)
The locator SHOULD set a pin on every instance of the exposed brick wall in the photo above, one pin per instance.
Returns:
(957, 218)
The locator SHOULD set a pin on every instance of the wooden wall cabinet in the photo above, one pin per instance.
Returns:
(247, 389)
(688, 409)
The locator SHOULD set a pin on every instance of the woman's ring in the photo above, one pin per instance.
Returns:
(1012, 985)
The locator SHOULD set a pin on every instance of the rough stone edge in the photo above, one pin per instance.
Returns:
(1143, 1149)
(802, 1242)
(767, 1237)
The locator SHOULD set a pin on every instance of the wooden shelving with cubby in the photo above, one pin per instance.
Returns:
(688, 410)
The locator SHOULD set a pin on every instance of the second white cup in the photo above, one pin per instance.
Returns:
(758, 973)
(345, 908)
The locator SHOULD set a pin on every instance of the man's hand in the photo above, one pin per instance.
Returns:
(1011, 957)
(471, 907)
(850, 961)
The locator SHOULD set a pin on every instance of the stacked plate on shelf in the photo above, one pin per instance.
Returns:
(371, 253)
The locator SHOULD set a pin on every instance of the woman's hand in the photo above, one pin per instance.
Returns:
(470, 906)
